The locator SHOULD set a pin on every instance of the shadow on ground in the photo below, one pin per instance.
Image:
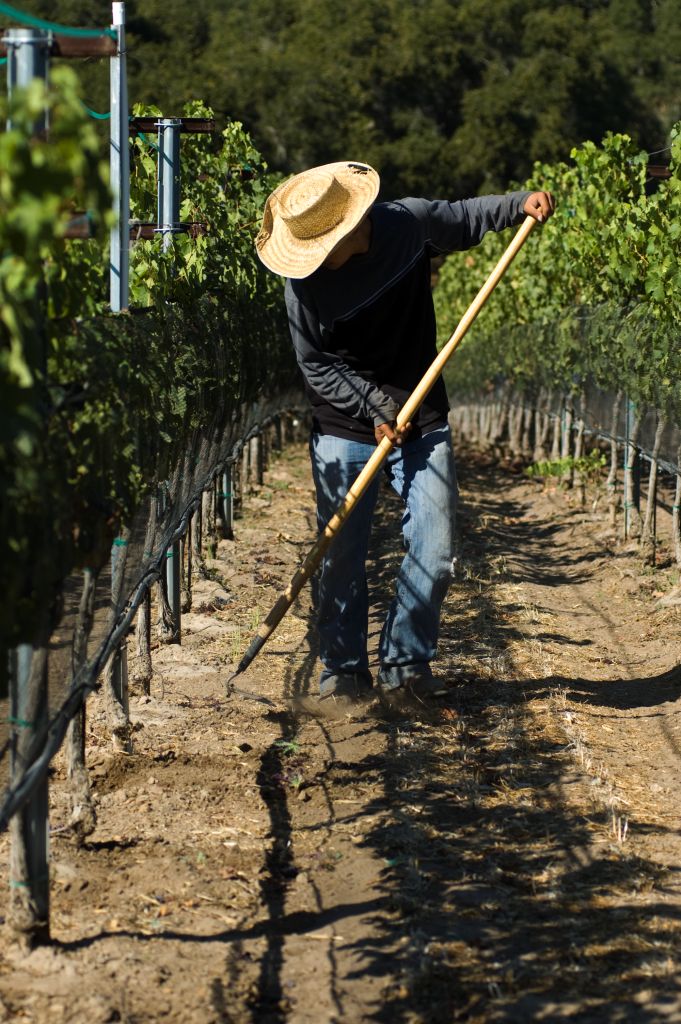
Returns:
(502, 895)
(500, 898)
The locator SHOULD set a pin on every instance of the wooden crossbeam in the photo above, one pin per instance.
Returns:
(146, 230)
(193, 125)
(80, 226)
(74, 46)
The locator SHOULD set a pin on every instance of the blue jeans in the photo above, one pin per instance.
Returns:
(423, 473)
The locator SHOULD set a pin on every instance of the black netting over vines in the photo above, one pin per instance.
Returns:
(133, 419)
(605, 415)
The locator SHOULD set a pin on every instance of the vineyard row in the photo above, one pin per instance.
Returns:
(117, 415)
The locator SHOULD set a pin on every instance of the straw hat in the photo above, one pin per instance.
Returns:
(307, 216)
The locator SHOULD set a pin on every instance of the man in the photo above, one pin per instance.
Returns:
(363, 326)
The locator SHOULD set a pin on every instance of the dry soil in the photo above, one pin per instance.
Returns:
(510, 852)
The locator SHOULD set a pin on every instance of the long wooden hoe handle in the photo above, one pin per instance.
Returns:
(406, 414)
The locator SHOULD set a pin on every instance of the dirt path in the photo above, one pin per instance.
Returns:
(510, 854)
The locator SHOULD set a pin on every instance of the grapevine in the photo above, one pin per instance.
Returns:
(599, 297)
(98, 405)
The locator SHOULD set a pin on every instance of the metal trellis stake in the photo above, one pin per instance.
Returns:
(226, 496)
(408, 410)
(119, 161)
(174, 588)
(167, 217)
(120, 659)
(29, 853)
(119, 258)
(168, 213)
(27, 59)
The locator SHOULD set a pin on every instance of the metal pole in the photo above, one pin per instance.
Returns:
(168, 213)
(29, 857)
(119, 160)
(636, 480)
(625, 467)
(174, 588)
(119, 258)
(120, 658)
(227, 503)
(27, 58)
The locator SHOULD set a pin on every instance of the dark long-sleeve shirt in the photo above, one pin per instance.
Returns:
(365, 334)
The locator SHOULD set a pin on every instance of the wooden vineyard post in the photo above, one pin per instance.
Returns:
(187, 565)
(144, 669)
(277, 440)
(83, 818)
(164, 620)
(632, 473)
(265, 434)
(256, 459)
(245, 471)
(676, 511)
(648, 532)
(543, 426)
(557, 430)
(528, 430)
(566, 439)
(208, 520)
(197, 531)
(579, 448)
(611, 482)
(116, 670)
(143, 665)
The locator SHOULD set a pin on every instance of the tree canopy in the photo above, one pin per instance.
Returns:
(444, 97)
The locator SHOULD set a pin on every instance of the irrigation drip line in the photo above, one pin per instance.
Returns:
(49, 738)
(143, 137)
(624, 442)
(93, 113)
(53, 26)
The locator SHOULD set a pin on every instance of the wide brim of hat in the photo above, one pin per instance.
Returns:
(294, 257)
